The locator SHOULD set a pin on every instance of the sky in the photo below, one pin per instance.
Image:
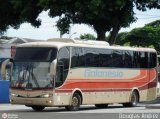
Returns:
(48, 29)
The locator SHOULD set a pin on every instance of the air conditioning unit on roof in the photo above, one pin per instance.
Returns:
(79, 41)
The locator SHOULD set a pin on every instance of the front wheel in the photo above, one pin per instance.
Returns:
(134, 100)
(38, 108)
(75, 103)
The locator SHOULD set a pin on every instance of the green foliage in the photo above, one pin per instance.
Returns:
(8, 17)
(87, 36)
(154, 24)
(144, 4)
(121, 39)
(15, 12)
(102, 15)
(63, 25)
(148, 36)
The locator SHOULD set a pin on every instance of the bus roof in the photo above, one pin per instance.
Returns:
(61, 42)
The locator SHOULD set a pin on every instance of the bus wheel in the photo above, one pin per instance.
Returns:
(134, 100)
(101, 105)
(38, 108)
(75, 103)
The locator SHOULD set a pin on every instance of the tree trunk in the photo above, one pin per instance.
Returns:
(101, 29)
(113, 34)
(101, 35)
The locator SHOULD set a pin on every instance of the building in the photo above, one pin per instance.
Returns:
(7, 47)
(6, 52)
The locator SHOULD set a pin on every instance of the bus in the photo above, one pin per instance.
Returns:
(6, 52)
(158, 84)
(70, 73)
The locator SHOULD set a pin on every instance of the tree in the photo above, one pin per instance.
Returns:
(102, 15)
(154, 24)
(15, 12)
(147, 36)
(144, 4)
(87, 36)
(7, 16)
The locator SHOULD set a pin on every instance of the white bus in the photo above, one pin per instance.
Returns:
(70, 73)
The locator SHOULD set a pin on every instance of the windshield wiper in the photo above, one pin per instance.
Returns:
(24, 77)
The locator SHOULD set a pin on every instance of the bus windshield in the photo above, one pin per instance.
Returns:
(31, 68)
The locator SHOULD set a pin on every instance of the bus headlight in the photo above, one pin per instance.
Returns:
(14, 95)
(46, 95)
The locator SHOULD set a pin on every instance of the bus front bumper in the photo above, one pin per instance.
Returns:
(32, 101)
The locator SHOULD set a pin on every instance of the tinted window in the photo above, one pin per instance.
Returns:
(116, 60)
(143, 59)
(78, 59)
(63, 57)
(136, 63)
(62, 66)
(91, 57)
(105, 57)
(128, 59)
(35, 54)
(153, 60)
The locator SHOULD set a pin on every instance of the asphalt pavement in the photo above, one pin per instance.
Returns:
(145, 110)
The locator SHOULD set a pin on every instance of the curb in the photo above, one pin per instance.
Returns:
(152, 106)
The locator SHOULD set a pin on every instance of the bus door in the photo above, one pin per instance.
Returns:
(59, 76)
(62, 66)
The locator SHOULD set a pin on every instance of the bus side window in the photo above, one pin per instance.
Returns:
(105, 57)
(152, 60)
(62, 66)
(136, 63)
(77, 57)
(91, 57)
(143, 60)
(117, 59)
(128, 61)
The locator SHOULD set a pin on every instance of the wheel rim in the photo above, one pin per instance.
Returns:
(134, 99)
(75, 102)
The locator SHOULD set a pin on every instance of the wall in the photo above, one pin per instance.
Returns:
(4, 91)
(4, 85)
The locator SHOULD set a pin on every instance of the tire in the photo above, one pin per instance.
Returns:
(134, 100)
(101, 105)
(75, 103)
(38, 108)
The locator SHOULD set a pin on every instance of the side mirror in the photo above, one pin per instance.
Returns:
(53, 67)
(6, 69)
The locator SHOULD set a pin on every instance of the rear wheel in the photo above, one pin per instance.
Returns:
(134, 100)
(75, 103)
(37, 108)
